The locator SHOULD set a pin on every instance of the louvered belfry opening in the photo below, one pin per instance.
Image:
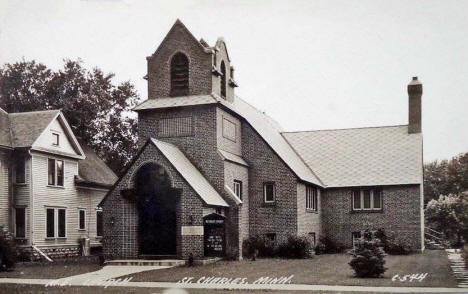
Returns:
(179, 75)
(223, 79)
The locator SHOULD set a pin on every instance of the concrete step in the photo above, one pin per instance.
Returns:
(147, 262)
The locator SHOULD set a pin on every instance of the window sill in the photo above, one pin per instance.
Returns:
(312, 211)
(55, 238)
(269, 204)
(20, 184)
(56, 187)
(82, 230)
(367, 211)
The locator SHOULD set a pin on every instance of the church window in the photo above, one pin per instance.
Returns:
(223, 80)
(179, 75)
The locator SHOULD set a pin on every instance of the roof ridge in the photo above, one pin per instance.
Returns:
(344, 129)
(35, 111)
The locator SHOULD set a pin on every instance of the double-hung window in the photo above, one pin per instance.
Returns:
(99, 223)
(311, 198)
(82, 219)
(55, 172)
(367, 199)
(56, 226)
(269, 192)
(238, 189)
(20, 222)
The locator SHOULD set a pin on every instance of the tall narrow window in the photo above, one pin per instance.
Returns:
(50, 220)
(99, 224)
(238, 189)
(269, 192)
(311, 198)
(20, 222)
(223, 79)
(51, 177)
(179, 75)
(82, 219)
(20, 170)
(356, 199)
(59, 172)
(61, 223)
(56, 139)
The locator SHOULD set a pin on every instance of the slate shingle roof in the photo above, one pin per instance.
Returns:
(27, 126)
(362, 156)
(92, 170)
(268, 129)
(190, 173)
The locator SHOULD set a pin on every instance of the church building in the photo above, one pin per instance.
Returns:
(212, 170)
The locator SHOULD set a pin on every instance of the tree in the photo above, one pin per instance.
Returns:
(97, 110)
(449, 214)
(445, 177)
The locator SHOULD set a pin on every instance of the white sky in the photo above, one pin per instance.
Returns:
(308, 64)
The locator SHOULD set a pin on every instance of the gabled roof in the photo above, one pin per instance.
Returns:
(26, 127)
(5, 130)
(190, 173)
(93, 171)
(362, 156)
(265, 126)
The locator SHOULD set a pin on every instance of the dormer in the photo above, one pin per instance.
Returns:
(184, 66)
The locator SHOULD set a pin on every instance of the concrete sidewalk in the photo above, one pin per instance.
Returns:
(287, 287)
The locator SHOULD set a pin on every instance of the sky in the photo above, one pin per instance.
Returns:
(308, 64)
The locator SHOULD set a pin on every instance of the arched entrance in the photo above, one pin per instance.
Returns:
(156, 203)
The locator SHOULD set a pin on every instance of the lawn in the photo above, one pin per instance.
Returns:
(330, 269)
(22, 289)
(50, 271)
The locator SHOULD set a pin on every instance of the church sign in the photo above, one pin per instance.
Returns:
(214, 235)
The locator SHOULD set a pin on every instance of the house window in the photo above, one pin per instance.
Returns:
(56, 223)
(55, 174)
(99, 223)
(269, 192)
(223, 79)
(82, 219)
(20, 222)
(179, 75)
(367, 199)
(20, 170)
(56, 139)
(238, 189)
(356, 236)
(312, 239)
(311, 198)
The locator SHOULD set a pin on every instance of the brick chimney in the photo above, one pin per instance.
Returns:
(414, 106)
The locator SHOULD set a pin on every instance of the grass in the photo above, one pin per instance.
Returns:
(50, 271)
(330, 269)
(26, 289)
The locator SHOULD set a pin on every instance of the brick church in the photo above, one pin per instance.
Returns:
(212, 170)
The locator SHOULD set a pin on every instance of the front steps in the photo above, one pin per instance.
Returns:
(457, 263)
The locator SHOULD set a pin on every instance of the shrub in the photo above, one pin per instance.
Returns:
(258, 246)
(396, 246)
(295, 247)
(382, 236)
(327, 246)
(368, 259)
(7, 250)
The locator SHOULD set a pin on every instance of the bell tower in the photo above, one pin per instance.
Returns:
(184, 66)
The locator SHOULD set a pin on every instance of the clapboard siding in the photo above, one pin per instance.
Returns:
(4, 189)
(68, 196)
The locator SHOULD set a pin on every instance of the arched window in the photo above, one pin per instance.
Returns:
(223, 79)
(179, 75)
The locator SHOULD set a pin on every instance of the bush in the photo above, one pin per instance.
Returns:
(382, 236)
(7, 251)
(258, 246)
(397, 247)
(295, 247)
(327, 246)
(368, 259)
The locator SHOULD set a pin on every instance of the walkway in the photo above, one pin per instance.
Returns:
(457, 263)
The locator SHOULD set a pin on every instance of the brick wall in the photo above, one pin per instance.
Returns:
(401, 214)
(120, 238)
(265, 166)
(308, 221)
(200, 64)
